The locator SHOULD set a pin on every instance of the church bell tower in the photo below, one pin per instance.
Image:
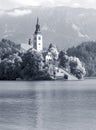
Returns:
(37, 38)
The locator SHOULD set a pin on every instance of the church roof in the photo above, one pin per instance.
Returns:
(37, 27)
(25, 46)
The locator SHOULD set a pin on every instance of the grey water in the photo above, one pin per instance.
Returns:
(48, 105)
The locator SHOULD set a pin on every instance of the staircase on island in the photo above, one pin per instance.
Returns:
(70, 75)
(61, 73)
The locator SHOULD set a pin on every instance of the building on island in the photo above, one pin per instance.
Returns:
(36, 42)
(48, 57)
(25, 47)
(51, 55)
(37, 38)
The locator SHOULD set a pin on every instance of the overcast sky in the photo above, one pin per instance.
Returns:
(9, 4)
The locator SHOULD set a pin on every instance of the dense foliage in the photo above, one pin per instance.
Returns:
(8, 48)
(34, 65)
(16, 64)
(72, 64)
(86, 52)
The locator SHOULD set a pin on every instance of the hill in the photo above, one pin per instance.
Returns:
(63, 26)
(86, 52)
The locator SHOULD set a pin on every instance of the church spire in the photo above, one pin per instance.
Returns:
(37, 27)
(37, 20)
(38, 39)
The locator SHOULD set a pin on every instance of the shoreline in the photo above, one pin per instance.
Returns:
(51, 79)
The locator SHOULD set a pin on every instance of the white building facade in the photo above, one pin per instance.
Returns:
(37, 38)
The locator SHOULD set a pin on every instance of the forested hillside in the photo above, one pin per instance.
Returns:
(63, 26)
(86, 52)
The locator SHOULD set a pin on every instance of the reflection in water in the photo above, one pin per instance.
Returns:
(48, 105)
(72, 110)
(18, 110)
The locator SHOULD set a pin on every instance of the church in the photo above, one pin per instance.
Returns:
(37, 38)
(36, 42)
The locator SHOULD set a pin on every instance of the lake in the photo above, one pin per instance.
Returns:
(48, 105)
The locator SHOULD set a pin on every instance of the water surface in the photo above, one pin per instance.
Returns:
(54, 105)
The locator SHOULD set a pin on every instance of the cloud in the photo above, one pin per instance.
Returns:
(77, 29)
(9, 4)
(18, 12)
(76, 5)
(28, 2)
(83, 3)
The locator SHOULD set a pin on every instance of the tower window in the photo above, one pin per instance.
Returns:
(39, 38)
(38, 43)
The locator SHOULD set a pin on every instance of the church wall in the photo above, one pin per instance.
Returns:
(39, 43)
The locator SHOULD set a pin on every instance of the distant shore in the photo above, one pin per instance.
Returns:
(90, 77)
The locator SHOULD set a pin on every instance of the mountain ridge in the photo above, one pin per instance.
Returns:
(63, 26)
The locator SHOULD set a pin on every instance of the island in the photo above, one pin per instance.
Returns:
(32, 62)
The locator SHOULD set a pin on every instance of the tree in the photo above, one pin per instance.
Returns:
(77, 68)
(86, 52)
(54, 51)
(7, 48)
(32, 64)
(10, 68)
(63, 59)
